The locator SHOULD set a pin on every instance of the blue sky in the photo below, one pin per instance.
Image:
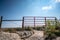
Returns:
(16, 9)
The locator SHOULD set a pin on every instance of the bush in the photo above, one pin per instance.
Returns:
(57, 33)
(28, 28)
(50, 28)
(11, 30)
(18, 29)
(37, 28)
(51, 37)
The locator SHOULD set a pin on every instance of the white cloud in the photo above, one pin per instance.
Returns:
(57, 0)
(47, 8)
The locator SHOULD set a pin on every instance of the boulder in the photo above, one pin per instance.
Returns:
(9, 36)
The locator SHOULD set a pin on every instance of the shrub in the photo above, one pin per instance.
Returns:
(28, 28)
(50, 28)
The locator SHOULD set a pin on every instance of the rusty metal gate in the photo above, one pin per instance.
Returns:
(36, 21)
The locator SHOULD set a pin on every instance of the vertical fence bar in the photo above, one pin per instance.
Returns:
(55, 21)
(0, 22)
(23, 23)
(45, 21)
(34, 22)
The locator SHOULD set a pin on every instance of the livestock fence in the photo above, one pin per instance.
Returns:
(27, 21)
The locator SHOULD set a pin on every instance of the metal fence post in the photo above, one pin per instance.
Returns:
(0, 22)
(23, 23)
(45, 21)
(34, 22)
(55, 21)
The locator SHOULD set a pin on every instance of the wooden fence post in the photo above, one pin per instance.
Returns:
(23, 23)
(0, 22)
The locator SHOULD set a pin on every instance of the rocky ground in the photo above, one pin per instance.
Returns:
(9, 36)
(23, 35)
(19, 35)
(38, 35)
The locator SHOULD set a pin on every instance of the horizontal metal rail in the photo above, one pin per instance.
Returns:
(35, 21)
(12, 20)
(38, 17)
